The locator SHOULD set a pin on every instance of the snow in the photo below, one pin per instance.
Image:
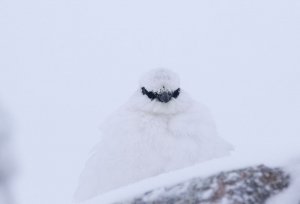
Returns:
(66, 65)
(203, 170)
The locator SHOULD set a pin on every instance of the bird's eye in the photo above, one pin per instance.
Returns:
(150, 94)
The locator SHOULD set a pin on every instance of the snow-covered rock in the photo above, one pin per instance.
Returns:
(292, 194)
(253, 185)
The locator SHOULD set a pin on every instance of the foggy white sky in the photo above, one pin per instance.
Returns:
(66, 64)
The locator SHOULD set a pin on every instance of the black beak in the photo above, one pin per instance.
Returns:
(164, 97)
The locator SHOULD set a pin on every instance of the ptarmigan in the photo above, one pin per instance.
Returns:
(159, 129)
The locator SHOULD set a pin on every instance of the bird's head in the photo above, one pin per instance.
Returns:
(160, 93)
(160, 85)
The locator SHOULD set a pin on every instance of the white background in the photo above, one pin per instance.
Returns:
(66, 64)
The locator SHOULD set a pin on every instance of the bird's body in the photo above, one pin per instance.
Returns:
(145, 138)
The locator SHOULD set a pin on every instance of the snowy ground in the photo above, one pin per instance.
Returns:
(66, 64)
(202, 170)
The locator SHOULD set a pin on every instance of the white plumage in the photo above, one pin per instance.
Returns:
(148, 137)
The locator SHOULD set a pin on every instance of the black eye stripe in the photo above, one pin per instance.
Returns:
(176, 93)
(150, 94)
(153, 95)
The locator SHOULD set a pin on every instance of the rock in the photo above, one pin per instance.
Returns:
(253, 185)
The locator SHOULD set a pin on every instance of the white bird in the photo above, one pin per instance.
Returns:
(158, 130)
